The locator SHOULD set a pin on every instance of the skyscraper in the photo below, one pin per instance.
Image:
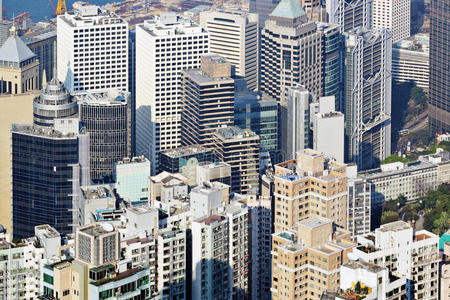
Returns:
(48, 166)
(368, 97)
(349, 14)
(164, 47)
(208, 96)
(106, 116)
(291, 51)
(92, 50)
(439, 96)
(295, 118)
(235, 36)
(392, 15)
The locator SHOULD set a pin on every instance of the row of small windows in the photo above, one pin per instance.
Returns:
(101, 29)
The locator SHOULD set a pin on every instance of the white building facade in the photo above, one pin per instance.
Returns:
(164, 47)
(92, 50)
(394, 15)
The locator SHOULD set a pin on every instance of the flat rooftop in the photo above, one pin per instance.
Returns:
(103, 98)
(186, 151)
(97, 229)
(47, 132)
(93, 192)
(359, 264)
(143, 209)
(395, 226)
(48, 231)
(314, 222)
(211, 219)
(234, 132)
(133, 160)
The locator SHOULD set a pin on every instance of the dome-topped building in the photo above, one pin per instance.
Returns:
(54, 102)
(19, 66)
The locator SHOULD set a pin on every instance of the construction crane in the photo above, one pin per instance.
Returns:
(61, 8)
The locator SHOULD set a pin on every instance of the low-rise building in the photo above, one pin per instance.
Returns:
(131, 178)
(166, 186)
(94, 198)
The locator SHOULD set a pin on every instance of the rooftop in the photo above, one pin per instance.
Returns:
(314, 222)
(90, 15)
(233, 132)
(211, 219)
(14, 50)
(136, 159)
(41, 131)
(166, 176)
(186, 151)
(288, 9)
(360, 264)
(170, 24)
(142, 209)
(201, 77)
(97, 229)
(93, 192)
(395, 226)
(48, 231)
(107, 97)
(118, 277)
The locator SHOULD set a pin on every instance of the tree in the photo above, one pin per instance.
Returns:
(389, 216)
(394, 158)
(418, 95)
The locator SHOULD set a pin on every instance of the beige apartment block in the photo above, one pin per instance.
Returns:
(311, 185)
(306, 259)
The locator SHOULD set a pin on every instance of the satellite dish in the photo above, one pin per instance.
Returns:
(107, 227)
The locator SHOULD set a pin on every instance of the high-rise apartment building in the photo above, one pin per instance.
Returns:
(164, 47)
(359, 206)
(171, 262)
(349, 14)
(310, 185)
(19, 66)
(48, 166)
(291, 51)
(445, 271)
(106, 116)
(92, 50)
(220, 261)
(392, 15)
(409, 253)
(306, 258)
(439, 95)
(260, 241)
(240, 149)
(368, 97)
(234, 35)
(295, 122)
(208, 96)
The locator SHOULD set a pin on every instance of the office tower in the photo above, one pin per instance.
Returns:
(359, 206)
(317, 247)
(48, 166)
(328, 130)
(220, 254)
(332, 46)
(234, 35)
(409, 253)
(171, 262)
(368, 97)
(377, 281)
(92, 50)
(132, 85)
(240, 149)
(392, 15)
(257, 114)
(106, 116)
(439, 95)
(260, 241)
(178, 159)
(295, 119)
(349, 14)
(96, 244)
(291, 52)
(54, 102)
(164, 47)
(411, 61)
(131, 178)
(19, 66)
(41, 39)
(295, 200)
(208, 96)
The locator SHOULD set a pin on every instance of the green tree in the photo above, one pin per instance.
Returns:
(394, 158)
(418, 95)
(389, 216)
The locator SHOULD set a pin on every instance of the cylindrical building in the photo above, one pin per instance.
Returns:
(54, 102)
(106, 116)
